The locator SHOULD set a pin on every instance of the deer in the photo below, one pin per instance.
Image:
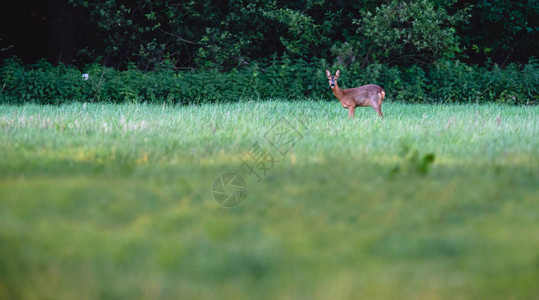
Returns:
(365, 95)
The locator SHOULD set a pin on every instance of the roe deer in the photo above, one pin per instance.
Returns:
(365, 95)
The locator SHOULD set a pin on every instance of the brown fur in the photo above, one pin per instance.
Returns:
(365, 95)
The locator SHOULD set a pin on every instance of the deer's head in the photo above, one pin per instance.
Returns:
(333, 78)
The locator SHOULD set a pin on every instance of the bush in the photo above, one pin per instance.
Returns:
(457, 82)
(445, 81)
(41, 83)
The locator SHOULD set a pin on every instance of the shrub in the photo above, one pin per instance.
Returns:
(444, 81)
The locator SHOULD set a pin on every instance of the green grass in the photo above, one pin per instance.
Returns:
(115, 201)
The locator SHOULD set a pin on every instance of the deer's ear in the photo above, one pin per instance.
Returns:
(338, 73)
(328, 74)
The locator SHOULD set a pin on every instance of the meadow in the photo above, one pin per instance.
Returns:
(108, 201)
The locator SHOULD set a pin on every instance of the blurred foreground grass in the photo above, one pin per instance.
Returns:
(115, 201)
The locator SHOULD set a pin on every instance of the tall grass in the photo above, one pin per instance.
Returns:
(115, 201)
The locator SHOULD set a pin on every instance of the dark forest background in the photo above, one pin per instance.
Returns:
(396, 43)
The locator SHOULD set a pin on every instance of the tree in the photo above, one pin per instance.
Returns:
(411, 32)
(504, 31)
(231, 34)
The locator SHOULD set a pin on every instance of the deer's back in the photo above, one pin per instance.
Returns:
(362, 94)
(366, 90)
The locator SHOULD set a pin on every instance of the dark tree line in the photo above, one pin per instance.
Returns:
(226, 35)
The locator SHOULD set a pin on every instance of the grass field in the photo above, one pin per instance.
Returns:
(103, 201)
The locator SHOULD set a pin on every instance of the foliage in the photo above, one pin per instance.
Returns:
(446, 81)
(236, 33)
(501, 30)
(42, 82)
(199, 34)
(410, 32)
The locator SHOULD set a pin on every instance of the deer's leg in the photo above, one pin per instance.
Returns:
(377, 107)
(351, 112)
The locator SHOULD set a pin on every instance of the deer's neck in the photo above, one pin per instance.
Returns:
(337, 91)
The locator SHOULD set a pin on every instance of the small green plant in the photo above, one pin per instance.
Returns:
(411, 162)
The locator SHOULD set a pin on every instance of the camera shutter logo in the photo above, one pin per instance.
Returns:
(229, 190)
